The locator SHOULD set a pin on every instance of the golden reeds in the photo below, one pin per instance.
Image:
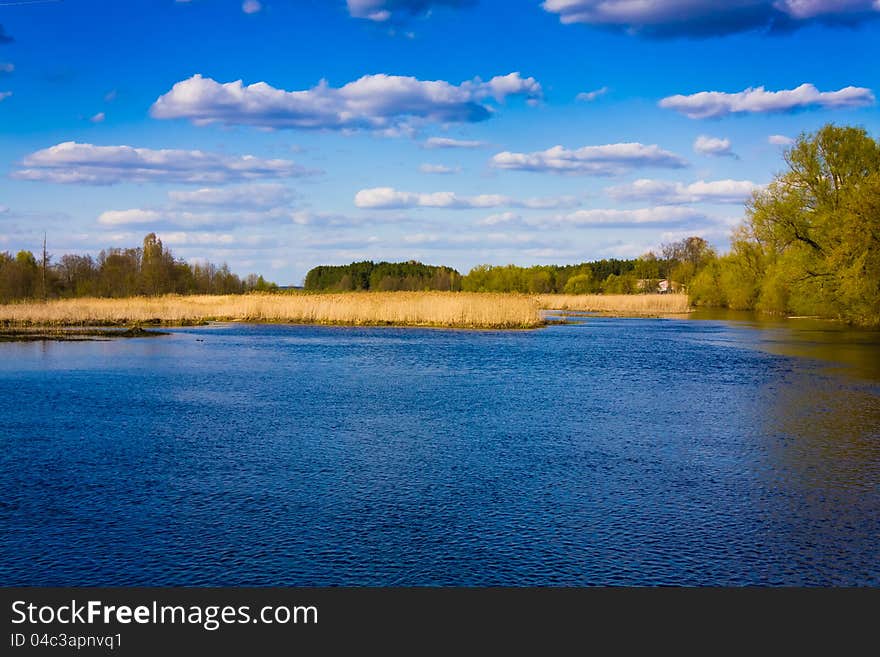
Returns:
(449, 309)
(621, 304)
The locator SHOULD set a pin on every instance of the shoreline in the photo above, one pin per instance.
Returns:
(73, 318)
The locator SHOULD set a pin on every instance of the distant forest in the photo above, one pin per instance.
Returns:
(611, 276)
(147, 270)
(384, 276)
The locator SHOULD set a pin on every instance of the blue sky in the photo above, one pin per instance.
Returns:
(281, 134)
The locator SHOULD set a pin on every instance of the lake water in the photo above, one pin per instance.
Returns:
(609, 451)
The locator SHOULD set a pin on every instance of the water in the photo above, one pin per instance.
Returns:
(610, 451)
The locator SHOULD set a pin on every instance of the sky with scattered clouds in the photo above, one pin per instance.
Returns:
(277, 135)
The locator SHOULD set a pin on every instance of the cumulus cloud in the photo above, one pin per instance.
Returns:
(702, 18)
(714, 146)
(4, 95)
(476, 240)
(606, 160)
(780, 140)
(134, 216)
(185, 239)
(389, 198)
(381, 11)
(446, 142)
(676, 193)
(251, 6)
(713, 104)
(305, 217)
(438, 168)
(236, 196)
(156, 217)
(500, 218)
(665, 215)
(72, 162)
(374, 102)
(590, 96)
(98, 118)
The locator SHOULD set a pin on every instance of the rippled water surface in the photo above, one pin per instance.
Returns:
(609, 451)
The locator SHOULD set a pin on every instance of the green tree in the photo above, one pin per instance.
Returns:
(816, 228)
(579, 284)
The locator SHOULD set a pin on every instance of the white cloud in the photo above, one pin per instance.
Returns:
(672, 193)
(110, 96)
(135, 216)
(98, 118)
(251, 6)
(711, 104)
(780, 140)
(500, 218)
(590, 96)
(613, 217)
(474, 240)
(438, 168)
(327, 219)
(375, 102)
(6, 68)
(606, 160)
(4, 95)
(381, 11)
(701, 18)
(237, 196)
(72, 162)
(390, 198)
(185, 239)
(176, 217)
(446, 142)
(715, 146)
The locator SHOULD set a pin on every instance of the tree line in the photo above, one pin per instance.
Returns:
(810, 242)
(150, 269)
(614, 276)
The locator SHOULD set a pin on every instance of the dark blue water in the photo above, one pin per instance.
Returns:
(609, 452)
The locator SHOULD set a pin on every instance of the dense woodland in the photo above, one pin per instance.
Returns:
(809, 244)
(384, 276)
(148, 270)
(615, 276)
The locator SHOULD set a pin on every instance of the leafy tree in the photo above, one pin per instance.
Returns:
(579, 284)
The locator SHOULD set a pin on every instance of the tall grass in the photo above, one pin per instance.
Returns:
(625, 304)
(450, 309)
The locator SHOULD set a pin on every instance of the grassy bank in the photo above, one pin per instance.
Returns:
(617, 304)
(68, 334)
(447, 309)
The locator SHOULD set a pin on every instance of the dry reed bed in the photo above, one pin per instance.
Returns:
(622, 304)
(448, 309)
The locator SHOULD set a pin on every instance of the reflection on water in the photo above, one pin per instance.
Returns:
(712, 450)
(857, 350)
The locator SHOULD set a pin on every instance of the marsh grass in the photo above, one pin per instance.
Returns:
(618, 304)
(441, 309)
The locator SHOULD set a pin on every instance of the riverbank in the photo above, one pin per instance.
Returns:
(428, 309)
(72, 334)
(623, 305)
